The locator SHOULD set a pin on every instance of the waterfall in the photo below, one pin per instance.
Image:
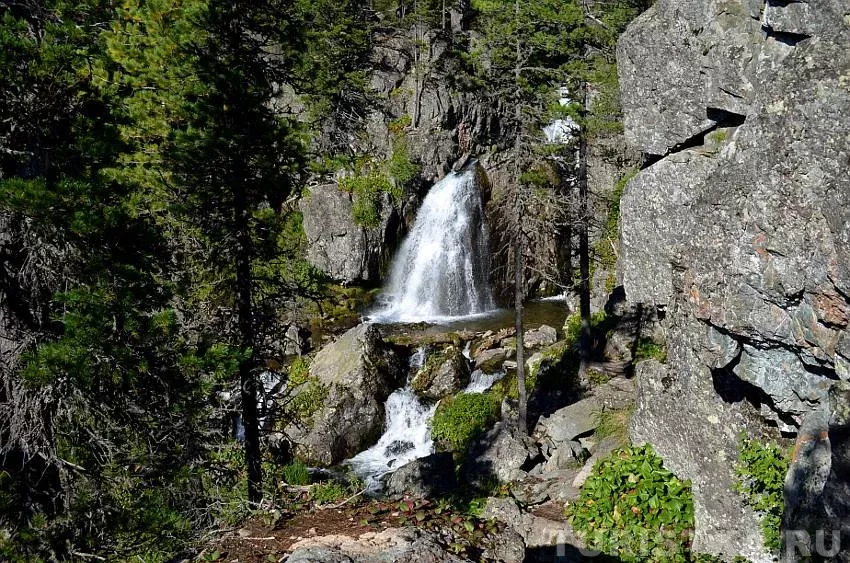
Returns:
(442, 268)
(407, 435)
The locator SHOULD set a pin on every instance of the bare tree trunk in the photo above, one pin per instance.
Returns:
(418, 80)
(583, 245)
(519, 262)
(244, 309)
(518, 322)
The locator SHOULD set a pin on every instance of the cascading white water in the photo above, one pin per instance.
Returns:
(480, 381)
(407, 435)
(442, 268)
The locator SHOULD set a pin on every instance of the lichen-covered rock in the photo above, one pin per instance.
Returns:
(490, 361)
(498, 453)
(741, 233)
(541, 535)
(817, 490)
(570, 422)
(544, 335)
(336, 244)
(388, 546)
(696, 433)
(444, 373)
(357, 373)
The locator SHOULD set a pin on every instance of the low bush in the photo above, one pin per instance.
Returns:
(761, 471)
(633, 508)
(328, 491)
(296, 473)
(461, 418)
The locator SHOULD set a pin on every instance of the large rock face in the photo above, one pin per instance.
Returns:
(415, 109)
(741, 231)
(337, 245)
(357, 372)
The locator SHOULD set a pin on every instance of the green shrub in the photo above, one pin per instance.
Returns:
(367, 190)
(328, 491)
(647, 349)
(572, 326)
(371, 180)
(461, 418)
(299, 371)
(296, 473)
(761, 471)
(401, 167)
(633, 508)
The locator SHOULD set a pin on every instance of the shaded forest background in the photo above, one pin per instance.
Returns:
(148, 196)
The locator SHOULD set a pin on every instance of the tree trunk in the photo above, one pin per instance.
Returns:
(244, 309)
(519, 267)
(519, 262)
(583, 245)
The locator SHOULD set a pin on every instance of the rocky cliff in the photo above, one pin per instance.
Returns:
(418, 100)
(422, 96)
(738, 230)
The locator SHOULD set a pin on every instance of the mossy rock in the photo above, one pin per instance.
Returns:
(445, 373)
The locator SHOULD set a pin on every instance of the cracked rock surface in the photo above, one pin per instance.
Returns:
(739, 229)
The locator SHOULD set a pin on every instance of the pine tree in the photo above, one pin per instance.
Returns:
(108, 399)
(198, 87)
(529, 45)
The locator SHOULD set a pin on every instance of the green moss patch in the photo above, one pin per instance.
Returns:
(461, 418)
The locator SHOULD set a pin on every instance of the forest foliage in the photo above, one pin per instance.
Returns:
(152, 189)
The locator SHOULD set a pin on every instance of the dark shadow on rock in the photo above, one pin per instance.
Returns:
(427, 477)
(733, 389)
(564, 553)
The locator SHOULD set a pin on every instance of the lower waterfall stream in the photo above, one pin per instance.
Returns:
(407, 434)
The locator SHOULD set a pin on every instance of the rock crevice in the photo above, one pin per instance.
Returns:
(740, 228)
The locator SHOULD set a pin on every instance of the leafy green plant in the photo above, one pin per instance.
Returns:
(296, 473)
(327, 491)
(461, 418)
(761, 471)
(647, 349)
(635, 509)
(572, 326)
